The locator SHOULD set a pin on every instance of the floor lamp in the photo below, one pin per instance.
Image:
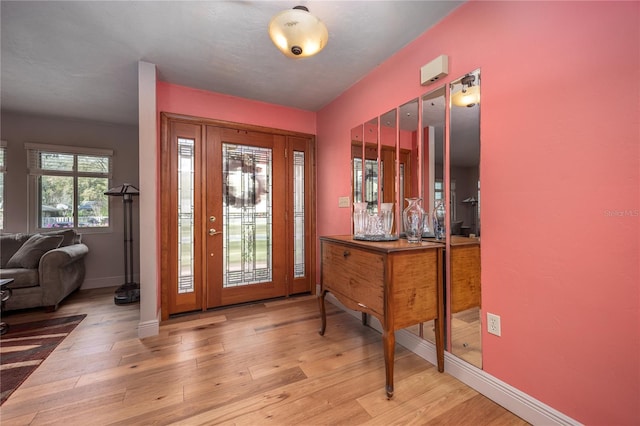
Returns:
(129, 292)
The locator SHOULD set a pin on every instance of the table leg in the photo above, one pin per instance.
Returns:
(389, 342)
(323, 313)
(439, 325)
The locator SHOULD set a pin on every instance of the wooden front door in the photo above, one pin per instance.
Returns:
(245, 210)
(238, 209)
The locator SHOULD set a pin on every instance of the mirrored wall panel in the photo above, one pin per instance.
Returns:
(387, 155)
(409, 152)
(357, 156)
(465, 227)
(431, 165)
(370, 179)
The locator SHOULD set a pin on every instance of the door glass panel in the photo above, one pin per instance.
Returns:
(371, 185)
(357, 180)
(298, 214)
(247, 215)
(185, 214)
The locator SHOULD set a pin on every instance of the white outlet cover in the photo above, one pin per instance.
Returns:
(493, 324)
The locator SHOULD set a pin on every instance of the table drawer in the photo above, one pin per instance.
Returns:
(354, 273)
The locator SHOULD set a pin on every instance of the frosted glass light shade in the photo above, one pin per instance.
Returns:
(468, 97)
(297, 33)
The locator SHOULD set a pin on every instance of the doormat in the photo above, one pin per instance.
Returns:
(26, 345)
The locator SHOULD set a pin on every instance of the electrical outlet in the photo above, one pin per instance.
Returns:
(493, 324)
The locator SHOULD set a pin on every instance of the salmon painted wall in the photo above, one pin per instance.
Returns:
(200, 103)
(560, 161)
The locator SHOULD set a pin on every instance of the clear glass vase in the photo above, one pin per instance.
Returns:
(359, 218)
(412, 219)
(386, 210)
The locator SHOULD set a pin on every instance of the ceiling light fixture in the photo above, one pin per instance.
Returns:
(297, 33)
(469, 95)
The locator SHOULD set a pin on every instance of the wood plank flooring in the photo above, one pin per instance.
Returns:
(256, 364)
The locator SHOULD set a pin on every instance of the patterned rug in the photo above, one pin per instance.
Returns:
(25, 346)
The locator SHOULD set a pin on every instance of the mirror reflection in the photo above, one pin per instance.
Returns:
(393, 159)
(357, 154)
(364, 149)
(464, 243)
(433, 113)
(409, 151)
(378, 178)
(387, 155)
(431, 166)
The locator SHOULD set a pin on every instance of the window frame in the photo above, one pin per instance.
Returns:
(34, 173)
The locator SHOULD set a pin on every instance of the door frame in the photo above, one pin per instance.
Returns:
(167, 169)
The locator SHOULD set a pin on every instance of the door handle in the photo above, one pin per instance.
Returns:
(214, 232)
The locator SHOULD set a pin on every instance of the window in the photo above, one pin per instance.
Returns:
(3, 170)
(67, 186)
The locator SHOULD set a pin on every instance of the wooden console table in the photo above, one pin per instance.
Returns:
(397, 282)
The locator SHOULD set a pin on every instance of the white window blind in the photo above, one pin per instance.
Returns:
(69, 161)
(67, 186)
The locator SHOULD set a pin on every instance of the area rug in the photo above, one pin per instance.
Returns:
(25, 346)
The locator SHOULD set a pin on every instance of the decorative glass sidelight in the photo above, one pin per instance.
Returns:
(369, 187)
(357, 180)
(298, 214)
(247, 215)
(186, 196)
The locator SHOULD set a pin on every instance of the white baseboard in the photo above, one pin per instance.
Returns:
(148, 328)
(514, 400)
(102, 282)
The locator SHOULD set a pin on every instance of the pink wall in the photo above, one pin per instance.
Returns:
(200, 103)
(560, 161)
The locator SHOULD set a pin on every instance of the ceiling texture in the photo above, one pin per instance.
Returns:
(78, 59)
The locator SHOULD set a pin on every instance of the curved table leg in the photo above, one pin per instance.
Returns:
(439, 325)
(323, 313)
(389, 342)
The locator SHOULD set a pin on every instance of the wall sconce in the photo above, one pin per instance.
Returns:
(297, 33)
(469, 95)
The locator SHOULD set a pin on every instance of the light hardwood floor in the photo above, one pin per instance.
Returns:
(256, 364)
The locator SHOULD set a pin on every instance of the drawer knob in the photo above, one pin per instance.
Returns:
(346, 253)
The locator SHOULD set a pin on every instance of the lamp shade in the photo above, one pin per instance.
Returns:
(122, 190)
(466, 97)
(297, 33)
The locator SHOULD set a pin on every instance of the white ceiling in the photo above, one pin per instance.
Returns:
(79, 59)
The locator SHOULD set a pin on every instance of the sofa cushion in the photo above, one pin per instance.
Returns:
(70, 236)
(28, 256)
(22, 277)
(9, 245)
